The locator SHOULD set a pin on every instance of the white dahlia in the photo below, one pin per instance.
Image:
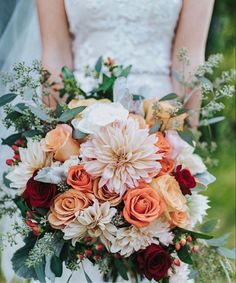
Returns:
(121, 154)
(132, 239)
(32, 159)
(94, 221)
(180, 274)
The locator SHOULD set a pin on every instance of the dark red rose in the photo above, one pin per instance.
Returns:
(154, 262)
(185, 180)
(38, 194)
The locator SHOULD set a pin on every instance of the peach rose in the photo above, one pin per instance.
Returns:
(167, 166)
(168, 188)
(60, 142)
(139, 119)
(103, 194)
(142, 205)
(79, 179)
(162, 144)
(65, 206)
(180, 218)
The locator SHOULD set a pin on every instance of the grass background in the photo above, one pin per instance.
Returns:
(222, 193)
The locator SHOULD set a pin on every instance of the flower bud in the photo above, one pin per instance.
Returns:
(99, 247)
(177, 247)
(88, 239)
(176, 262)
(189, 239)
(15, 148)
(195, 249)
(183, 242)
(16, 157)
(80, 257)
(88, 252)
(9, 162)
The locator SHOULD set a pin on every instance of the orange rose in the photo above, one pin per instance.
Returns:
(103, 194)
(162, 144)
(60, 142)
(168, 188)
(180, 218)
(139, 119)
(65, 206)
(142, 205)
(167, 166)
(79, 179)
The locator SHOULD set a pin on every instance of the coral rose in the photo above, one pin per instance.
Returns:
(167, 166)
(142, 205)
(60, 142)
(154, 262)
(79, 179)
(180, 218)
(168, 188)
(103, 194)
(65, 206)
(162, 144)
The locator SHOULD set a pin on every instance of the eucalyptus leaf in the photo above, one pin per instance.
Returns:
(214, 120)
(137, 97)
(205, 81)
(77, 134)
(38, 112)
(227, 252)
(87, 277)
(125, 72)
(98, 65)
(32, 133)
(40, 272)
(70, 114)
(187, 136)
(6, 98)
(20, 108)
(169, 96)
(154, 128)
(209, 226)
(67, 73)
(218, 242)
(56, 266)
(121, 269)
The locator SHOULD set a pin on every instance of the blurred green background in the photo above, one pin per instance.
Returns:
(222, 193)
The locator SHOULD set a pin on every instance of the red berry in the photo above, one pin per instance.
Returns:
(88, 252)
(177, 247)
(195, 249)
(189, 239)
(9, 162)
(20, 142)
(15, 148)
(16, 157)
(81, 256)
(88, 239)
(177, 262)
(99, 247)
(97, 257)
(183, 242)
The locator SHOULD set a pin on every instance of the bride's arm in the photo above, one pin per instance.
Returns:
(55, 37)
(192, 33)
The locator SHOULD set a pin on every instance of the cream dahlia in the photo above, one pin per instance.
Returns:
(32, 158)
(121, 154)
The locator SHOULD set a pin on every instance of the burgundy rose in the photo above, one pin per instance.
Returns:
(154, 262)
(38, 194)
(185, 180)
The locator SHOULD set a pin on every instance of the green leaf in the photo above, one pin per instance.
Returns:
(207, 122)
(177, 77)
(40, 272)
(218, 242)
(187, 136)
(98, 65)
(138, 97)
(107, 83)
(121, 269)
(71, 113)
(21, 205)
(154, 128)
(11, 139)
(56, 266)
(227, 252)
(184, 255)
(77, 134)
(40, 114)
(181, 111)
(205, 81)
(209, 226)
(169, 96)
(125, 72)
(87, 277)
(196, 235)
(59, 110)
(20, 108)
(67, 73)
(32, 133)
(6, 98)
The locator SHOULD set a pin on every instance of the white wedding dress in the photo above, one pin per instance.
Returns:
(137, 32)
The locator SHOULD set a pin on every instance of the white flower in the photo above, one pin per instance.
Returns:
(94, 221)
(32, 159)
(183, 153)
(180, 274)
(131, 239)
(197, 205)
(121, 154)
(57, 172)
(99, 115)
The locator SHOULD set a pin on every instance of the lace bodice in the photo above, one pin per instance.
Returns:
(137, 32)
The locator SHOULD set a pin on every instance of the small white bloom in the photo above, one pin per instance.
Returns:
(131, 239)
(197, 205)
(94, 221)
(57, 172)
(99, 115)
(32, 159)
(180, 274)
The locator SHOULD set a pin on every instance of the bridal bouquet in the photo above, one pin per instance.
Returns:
(106, 176)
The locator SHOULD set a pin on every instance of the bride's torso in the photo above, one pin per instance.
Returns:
(138, 32)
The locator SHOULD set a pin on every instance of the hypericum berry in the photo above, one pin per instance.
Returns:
(189, 239)
(80, 257)
(176, 262)
(177, 247)
(97, 257)
(16, 157)
(195, 249)
(9, 162)
(183, 242)
(20, 142)
(15, 148)
(88, 252)
(88, 239)
(99, 247)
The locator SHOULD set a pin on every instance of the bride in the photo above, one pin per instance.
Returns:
(145, 33)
